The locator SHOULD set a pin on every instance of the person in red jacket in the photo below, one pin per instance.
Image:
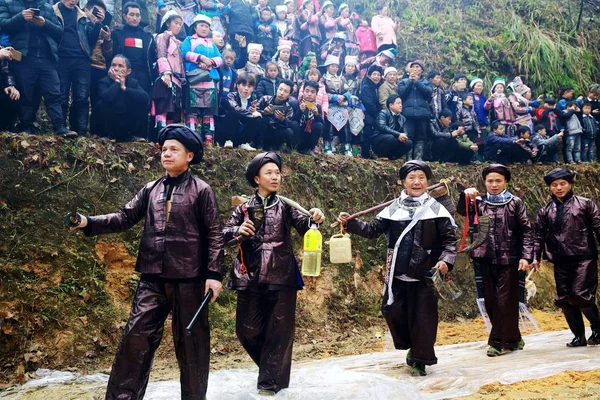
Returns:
(180, 259)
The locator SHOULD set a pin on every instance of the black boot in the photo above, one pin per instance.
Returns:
(575, 321)
(593, 315)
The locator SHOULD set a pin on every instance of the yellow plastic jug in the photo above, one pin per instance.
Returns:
(313, 246)
(340, 249)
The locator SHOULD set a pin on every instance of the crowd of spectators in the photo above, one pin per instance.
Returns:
(281, 74)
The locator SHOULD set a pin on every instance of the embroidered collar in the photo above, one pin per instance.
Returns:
(499, 199)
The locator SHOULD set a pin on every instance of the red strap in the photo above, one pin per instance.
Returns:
(476, 216)
(466, 227)
(243, 268)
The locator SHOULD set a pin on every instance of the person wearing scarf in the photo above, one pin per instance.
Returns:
(507, 250)
(420, 235)
(565, 233)
(180, 258)
(265, 273)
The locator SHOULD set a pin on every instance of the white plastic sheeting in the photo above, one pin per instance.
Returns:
(462, 370)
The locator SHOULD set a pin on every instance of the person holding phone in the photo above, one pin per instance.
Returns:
(36, 37)
(242, 121)
(9, 95)
(80, 35)
(277, 114)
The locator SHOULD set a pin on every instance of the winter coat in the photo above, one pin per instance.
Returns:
(576, 238)
(545, 141)
(468, 118)
(187, 245)
(482, 115)
(241, 15)
(265, 101)
(511, 234)
(269, 40)
(87, 31)
(268, 256)
(170, 59)
(266, 87)
(149, 46)
(550, 121)
(440, 132)
(589, 126)
(438, 101)
(495, 144)
(416, 96)
(502, 110)
(572, 123)
(322, 97)
(14, 25)
(233, 107)
(366, 39)
(134, 99)
(385, 90)
(434, 240)
(386, 26)
(389, 124)
(369, 99)
(454, 101)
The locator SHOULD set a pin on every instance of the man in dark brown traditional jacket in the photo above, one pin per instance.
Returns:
(507, 250)
(420, 235)
(265, 273)
(564, 232)
(180, 259)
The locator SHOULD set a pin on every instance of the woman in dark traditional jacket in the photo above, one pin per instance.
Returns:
(420, 235)
(507, 250)
(370, 101)
(564, 232)
(265, 273)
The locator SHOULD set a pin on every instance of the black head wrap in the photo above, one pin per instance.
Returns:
(184, 135)
(373, 68)
(497, 168)
(414, 165)
(559, 173)
(257, 163)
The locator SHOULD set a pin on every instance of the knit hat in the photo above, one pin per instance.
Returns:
(280, 8)
(475, 81)
(258, 161)
(419, 63)
(169, 15)
(498, 81)
(200, 18)
(331, 59)
(390, 53)
(184, 135)
(374, 68)
(351, 60)
(255, 46)
(341, 7)
(388, 70)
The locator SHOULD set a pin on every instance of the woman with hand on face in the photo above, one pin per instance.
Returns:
(420, 235)
(507, 250)
(167, 97)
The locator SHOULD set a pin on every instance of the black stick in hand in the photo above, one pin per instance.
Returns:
(205, 301)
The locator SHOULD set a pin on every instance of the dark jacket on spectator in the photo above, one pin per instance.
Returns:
(266, 87)
(287, 110)
(131, 101)
(6, 77)
(575, 238)
(389, 124)
(241, 15)
(87, 31)
(511, 235)
(550, 121)
(180, 249)
(545, 141)
(370, 100)
(233, 107)
(494, 143)
(468, 118)
(416, 96)
(118, 39)
(13, 23)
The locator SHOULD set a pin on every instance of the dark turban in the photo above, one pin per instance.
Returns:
(184, 135)
(497, 168)
(559, 173)
(414, 165)
(257, 163)
(374, 68)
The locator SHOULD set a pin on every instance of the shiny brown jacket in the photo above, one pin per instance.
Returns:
(575, 238)
(434, 240)
(189, 245)
(268, 255)
(511, 234)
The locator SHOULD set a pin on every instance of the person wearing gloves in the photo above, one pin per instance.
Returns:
(566, 231)
(265, 273)
(507, 250)
(420, 237)
(180, 258)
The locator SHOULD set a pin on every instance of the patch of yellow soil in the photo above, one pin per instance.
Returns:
(120, 270)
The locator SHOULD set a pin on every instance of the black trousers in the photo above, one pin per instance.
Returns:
(448, 150)
(306, 141)
(121, 126)
(96, 75)
(75, 79)
(417, 130)
(154, 300)
(229, 127)
(413, 319)
(388, 146)
(274, 137)
(501, 295)
(265, 321)
(8, 115)
(37, 76)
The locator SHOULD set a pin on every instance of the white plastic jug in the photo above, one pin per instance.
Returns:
(340, 249)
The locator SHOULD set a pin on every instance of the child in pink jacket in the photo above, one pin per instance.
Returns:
(366, 40)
